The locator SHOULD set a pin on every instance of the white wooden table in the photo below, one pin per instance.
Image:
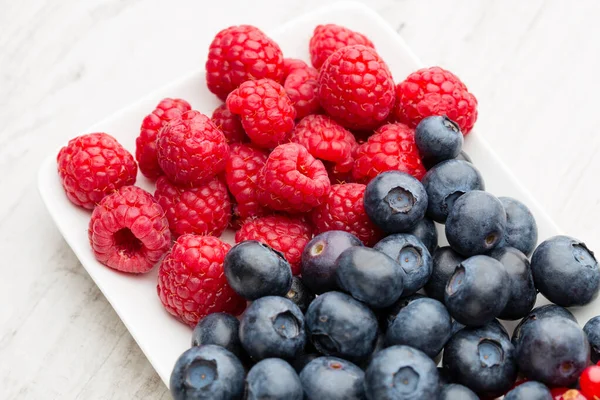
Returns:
(533, 65)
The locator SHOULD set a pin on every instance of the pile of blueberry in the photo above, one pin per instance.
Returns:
(373, 323)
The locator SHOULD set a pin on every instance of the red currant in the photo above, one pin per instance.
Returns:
(589, 381)
(567, 394)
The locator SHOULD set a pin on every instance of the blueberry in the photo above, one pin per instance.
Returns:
(464, 157)
(255, 270)
(426, 232)
(370, 276)
(530, 390)
(423, 324)
(272, 327)
(522, 290)
(478, 291)
(476, 223)
(401, 373)
(395, 201)
(457, 392)
(545, 311)
(207, 372)
(553, 350)
(445, 183)
(565, 271)
(521, 229)
(413, 257)
(483, 359)
(438, 139)
(331, 378)
(341, 326)
(456, 326)
(592, 331)
(299, 294)
(273, 378)
(392, 311)
(445, 261)
(220, 329)
(319, 256)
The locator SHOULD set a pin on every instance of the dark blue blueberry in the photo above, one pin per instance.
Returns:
(413, 257)
(255, 270)
(456, 326)
(331, 378)
(522, 290)
(401, 373)
(445, 261)
(370, 276)
(530, 390)
(395, 201)
(553, 350)
(299, 294)
(338, 325)
(455, 391)
(423, 324)
(478, 291)
(521, 229)
(319, 256)
(445, 183)
(426, 232)
(273, 378)
(438, 139)
(483, 359)
(207, 372)
(221, 329)
(476, 223)
(392, 311)
(545, 311)
(302, 360)
(272, 327)
(565, 271)
(464, 157)
(592, 331)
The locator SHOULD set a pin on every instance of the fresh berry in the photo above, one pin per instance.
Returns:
(426, 232)
(272, 326)
(589, 381)
(145, 144)
(326, 39)
(332, 378)
(287, 235)
(344, 210)
(292, 180)
(191, 281)
(291, 64)
(204, 209)
(128, 231)
(301, 85)
(391, 148)
(229, 124)
(521, 229)
(545, 311)
(255, 270)
(356, 87)
(92, 166)
(592, 331)
(299, 294)
(455, 391)
(567, 394)
(207, 372)
(266, 111)
(191, 149)
(438, 139)
(238, 54)
(273, 378)
(220, 329)
(530, 390)
(435, 91)
(391, 312)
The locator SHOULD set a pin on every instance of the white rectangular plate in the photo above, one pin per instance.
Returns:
(134, 298)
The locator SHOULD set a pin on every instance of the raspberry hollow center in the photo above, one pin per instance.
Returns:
(126, 242)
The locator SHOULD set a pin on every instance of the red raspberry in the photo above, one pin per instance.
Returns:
(191, 281)
(328, 38)
(129, 231)
(392, 147)
(589, 381)
(266, 111)
(290, 64)
(292, 180)
(191, 149)
(229, 124)
(241, 174)
(145, 144)
(288, 235)
(356, 87)
(203, 210)
(435, 91)
(238, 54)
(344, 210)
(301, 85)
(92, 166)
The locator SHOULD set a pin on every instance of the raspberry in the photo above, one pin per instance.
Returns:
(229, 124)
(344, 210)
(145, 144)
(392, 147)
(241, 174)
(92, 166)
(435, 91)
(288, 235)
(191, 149)
(203, 210)
(238, 54)
(292, 180)
(290, 64)
(129, 231)
(266, 111)
(191, 281)
(328, 38)
(301, 86)
(356, 87)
